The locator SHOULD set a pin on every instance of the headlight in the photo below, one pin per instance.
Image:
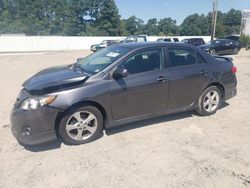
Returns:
(33, 103)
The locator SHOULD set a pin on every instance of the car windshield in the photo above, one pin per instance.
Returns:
(100, 60)
(104, 42)
(184, 41)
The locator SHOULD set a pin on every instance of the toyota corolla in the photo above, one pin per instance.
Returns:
(117, 85)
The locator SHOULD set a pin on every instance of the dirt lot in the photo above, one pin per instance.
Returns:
(181, 150)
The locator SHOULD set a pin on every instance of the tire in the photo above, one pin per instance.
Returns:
(209, 105)
(213, 52)
(81, 125)
(235, 51)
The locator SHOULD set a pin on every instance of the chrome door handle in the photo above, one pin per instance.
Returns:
(204, 72)
(161, 79)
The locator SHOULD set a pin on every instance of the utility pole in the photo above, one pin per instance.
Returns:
(214, 18)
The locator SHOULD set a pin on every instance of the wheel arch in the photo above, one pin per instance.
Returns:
(78, 105)
(219, 86)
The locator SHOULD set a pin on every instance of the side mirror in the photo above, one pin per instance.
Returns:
(120, 73)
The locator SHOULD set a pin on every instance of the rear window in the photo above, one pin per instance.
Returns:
(181, 57)
(200, 59)
(176, 39)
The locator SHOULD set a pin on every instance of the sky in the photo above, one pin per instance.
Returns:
(176, 9)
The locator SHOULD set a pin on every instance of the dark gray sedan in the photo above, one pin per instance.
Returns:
(117, 85)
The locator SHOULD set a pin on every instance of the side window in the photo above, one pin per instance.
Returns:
(141, 39)
(181, 57)
(144, 61)
(200, 59)
(176, 39)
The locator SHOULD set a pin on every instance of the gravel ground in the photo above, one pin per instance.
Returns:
(180, 150)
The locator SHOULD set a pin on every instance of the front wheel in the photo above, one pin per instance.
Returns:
(209, 101)
(81, 125)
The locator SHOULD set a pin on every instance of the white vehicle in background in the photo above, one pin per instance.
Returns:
(136, 38)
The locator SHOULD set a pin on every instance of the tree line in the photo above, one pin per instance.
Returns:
(101, 18)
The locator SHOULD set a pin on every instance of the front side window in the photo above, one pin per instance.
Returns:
(181, 57)
(143, 61)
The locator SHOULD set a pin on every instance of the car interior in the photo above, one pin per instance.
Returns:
(181, 58)
(143, 62)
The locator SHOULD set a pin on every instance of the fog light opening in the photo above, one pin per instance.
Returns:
(26, 131)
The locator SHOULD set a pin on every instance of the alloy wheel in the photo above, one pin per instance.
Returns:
(211, 101)
(213, 52)
(81, 125)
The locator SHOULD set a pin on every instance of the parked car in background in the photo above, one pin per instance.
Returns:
(136, 38)
(168, 39)
(118, 41)
(194, 41)
(117, 85)
(103, 44)
(222, 47)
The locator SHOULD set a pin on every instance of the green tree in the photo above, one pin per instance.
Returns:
(101, 17)
(220, 26)
(233, 21)
(196, 24)
(168, 26)
(109, 20)
(152, 27)
(134, 25)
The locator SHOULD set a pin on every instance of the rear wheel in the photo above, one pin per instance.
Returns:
(209, 101)
(81, 125)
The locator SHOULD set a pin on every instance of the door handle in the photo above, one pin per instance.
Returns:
(161, 79)
(203, 72)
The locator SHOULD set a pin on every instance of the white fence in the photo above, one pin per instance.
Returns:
(57, 43)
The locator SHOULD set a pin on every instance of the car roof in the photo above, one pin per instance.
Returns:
(137, 45)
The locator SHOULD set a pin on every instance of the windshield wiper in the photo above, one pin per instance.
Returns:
(76, 66)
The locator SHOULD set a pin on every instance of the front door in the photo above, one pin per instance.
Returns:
(145, 90)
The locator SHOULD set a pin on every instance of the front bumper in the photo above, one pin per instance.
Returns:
(34, 126)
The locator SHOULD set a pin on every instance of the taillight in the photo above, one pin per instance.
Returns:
(234, 69)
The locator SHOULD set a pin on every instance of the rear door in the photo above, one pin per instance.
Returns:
(188, 74)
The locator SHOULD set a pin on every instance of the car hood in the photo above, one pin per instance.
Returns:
(54, 79)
